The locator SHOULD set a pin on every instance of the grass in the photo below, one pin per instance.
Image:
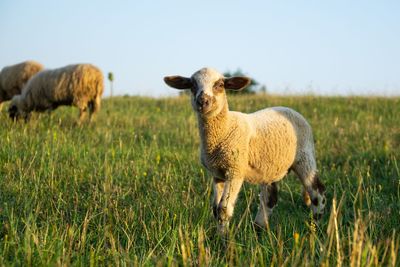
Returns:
(129, 189)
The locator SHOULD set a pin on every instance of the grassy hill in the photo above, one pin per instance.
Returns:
(130, 189)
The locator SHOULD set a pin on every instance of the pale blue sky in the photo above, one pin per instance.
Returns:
(327, 47)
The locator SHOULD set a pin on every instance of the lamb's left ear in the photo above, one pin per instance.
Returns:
(178, 82)
(236, 83)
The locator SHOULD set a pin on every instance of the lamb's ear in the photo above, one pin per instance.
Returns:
(178, 82)
(236, 83)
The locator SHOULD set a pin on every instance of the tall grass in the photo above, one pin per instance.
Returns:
(129, 189)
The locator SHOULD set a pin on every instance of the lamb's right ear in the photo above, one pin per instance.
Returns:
(178, 82)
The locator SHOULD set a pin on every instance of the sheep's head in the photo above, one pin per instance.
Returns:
(14, 110)
(208, 89)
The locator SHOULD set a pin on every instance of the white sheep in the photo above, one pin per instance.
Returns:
(260, 147)
(80, 85)
(14, 77)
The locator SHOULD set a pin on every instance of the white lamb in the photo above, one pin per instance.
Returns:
(260, 147)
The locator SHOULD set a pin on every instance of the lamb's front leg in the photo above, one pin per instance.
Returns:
(227, 203)
(218, 186)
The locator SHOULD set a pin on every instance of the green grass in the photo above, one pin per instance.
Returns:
(129, 189)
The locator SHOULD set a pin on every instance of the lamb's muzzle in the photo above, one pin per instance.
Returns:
(204, 102)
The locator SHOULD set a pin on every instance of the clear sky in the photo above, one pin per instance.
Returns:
(324, 47)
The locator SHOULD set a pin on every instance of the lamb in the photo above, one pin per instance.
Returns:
(260, 147)
(79, 85)
(14, 77)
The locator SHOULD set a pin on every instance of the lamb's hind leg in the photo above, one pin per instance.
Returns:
(268, 200)
(82, 115)
(314, 189)
(94, 107)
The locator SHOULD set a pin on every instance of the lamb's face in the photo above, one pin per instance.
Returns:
(208, 89)
(208, 92)
(14, 110)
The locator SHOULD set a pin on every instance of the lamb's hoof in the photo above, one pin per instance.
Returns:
(222, 214)
(223, 220)
(215, 211)
(223, 228)
(318, 216)
(260, 229)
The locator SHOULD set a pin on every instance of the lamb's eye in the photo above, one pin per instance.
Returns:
(219, 85)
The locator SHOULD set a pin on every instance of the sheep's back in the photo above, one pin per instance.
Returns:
(66, 85)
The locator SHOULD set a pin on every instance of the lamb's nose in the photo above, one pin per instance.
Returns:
(206, 102)
(200, 99)
(203, 101)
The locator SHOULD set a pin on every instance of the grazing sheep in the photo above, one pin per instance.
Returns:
(14, 77)
(79, 85)
(260, 147)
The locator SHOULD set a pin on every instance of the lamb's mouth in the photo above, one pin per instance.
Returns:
(204, 110)
(205, 107)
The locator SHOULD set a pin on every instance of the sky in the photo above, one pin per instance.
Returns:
(292, 47)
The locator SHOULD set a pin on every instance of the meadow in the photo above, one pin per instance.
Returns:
(129, 189)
